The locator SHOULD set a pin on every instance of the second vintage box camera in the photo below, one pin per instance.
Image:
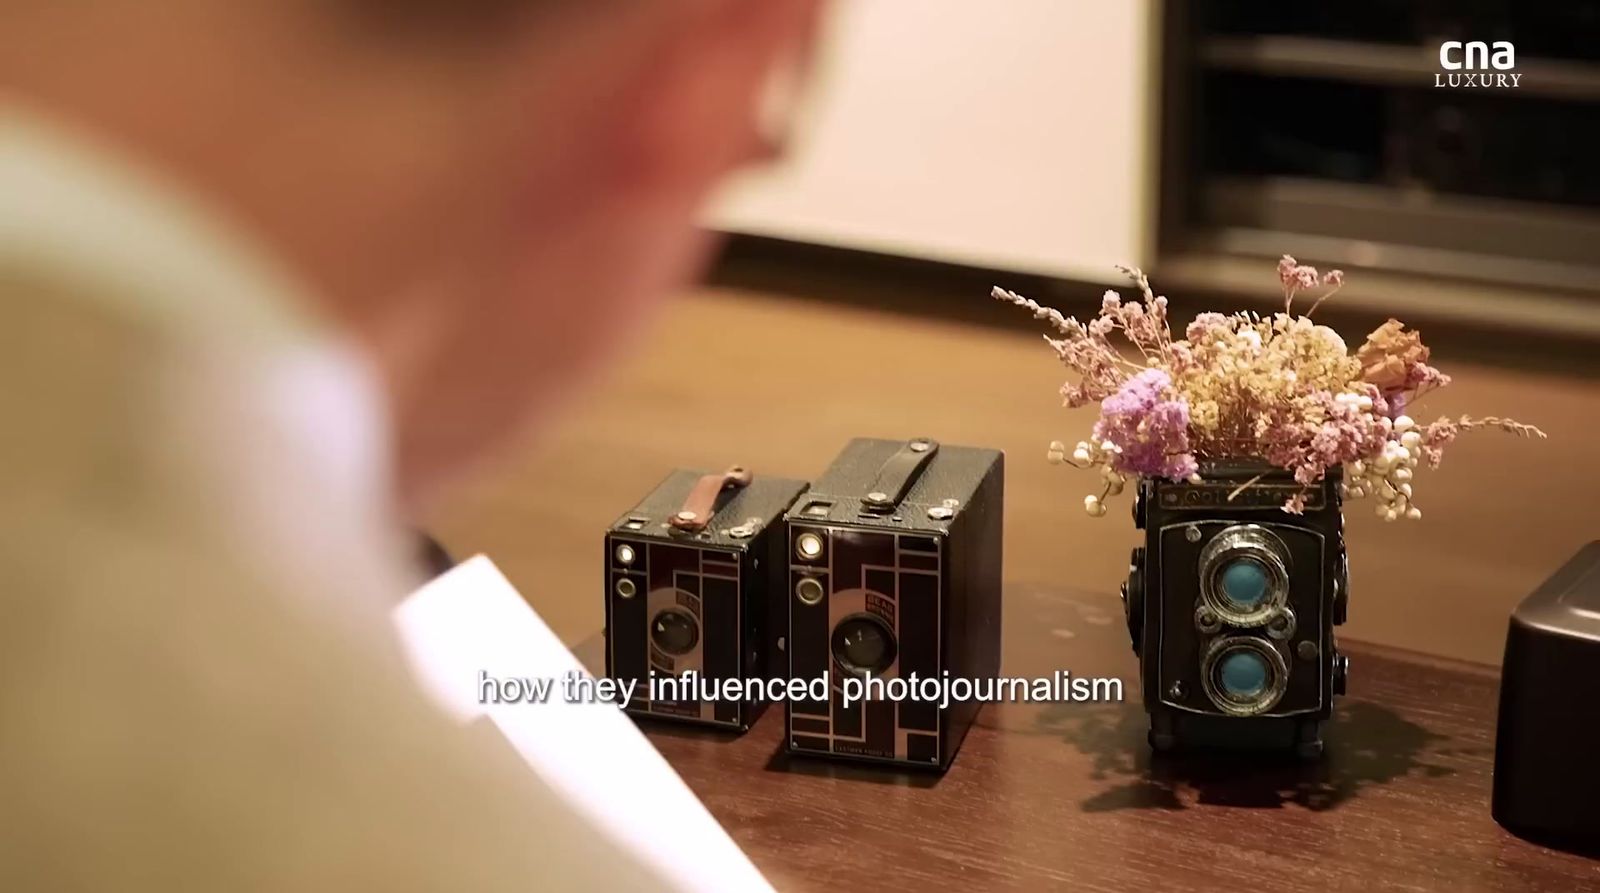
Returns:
(894, 574)
(694, 586)
(1231, 603)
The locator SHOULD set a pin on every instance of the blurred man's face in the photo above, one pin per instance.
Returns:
(488, 193)
(564, 207)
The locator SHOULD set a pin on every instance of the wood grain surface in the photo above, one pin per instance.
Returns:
(779, 384)
(1068, 796)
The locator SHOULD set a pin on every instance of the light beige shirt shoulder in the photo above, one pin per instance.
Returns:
(199, 689)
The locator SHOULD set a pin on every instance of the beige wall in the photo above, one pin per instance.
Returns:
(1014, 134)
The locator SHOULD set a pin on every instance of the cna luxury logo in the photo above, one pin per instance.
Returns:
(1477, 64)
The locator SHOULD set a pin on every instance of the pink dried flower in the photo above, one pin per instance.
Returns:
(1288, 274)
(1206, 325)
(1440, 434)
(1436, 437)
(1100, 368)
(1296, 277)
(1149, 426)
(1330, 431)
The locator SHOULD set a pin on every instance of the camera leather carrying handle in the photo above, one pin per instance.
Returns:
(701, 503)
(897, 475)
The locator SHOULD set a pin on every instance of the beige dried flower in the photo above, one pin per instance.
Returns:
(1390, 354)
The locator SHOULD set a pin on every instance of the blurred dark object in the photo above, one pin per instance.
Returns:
(1546, 764)
(1318, 130)
(432, 556)
(1468, 143)
(1562, 30)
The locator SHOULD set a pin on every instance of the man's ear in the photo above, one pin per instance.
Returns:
(702, 109)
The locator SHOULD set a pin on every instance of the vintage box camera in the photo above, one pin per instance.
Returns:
(894, 574)
(694, 589)
(1231, 603)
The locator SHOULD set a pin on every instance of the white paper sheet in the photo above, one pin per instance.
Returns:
(471, 621)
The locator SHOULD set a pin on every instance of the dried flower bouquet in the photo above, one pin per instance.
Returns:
(1279, 389)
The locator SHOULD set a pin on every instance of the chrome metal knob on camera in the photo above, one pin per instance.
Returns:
(1282, 625)
(1133, 597)
(808, 546)
(1341, 592)
(1341, 673)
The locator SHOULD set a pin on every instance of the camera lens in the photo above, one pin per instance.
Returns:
(1244, 675)
(1245, 582)
(864, 645)
(674, 631)
(1244, 575)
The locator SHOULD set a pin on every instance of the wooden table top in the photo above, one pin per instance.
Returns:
(1068, 796)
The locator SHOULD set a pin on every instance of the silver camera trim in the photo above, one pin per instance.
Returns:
(810, 536)
(1274, 691)
(1282, 625)
(1263, 546)
(810, 590)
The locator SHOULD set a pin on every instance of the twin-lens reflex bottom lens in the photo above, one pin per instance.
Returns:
(1244, 582)
(674, 632)
(863, 644)
(1243, 674)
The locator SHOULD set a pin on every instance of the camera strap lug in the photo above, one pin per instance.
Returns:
(701, 504)
(897, 475)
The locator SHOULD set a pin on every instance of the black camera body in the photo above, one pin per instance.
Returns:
(893, 562)
(695, 585)
(1231, 604)
(1546, 781)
